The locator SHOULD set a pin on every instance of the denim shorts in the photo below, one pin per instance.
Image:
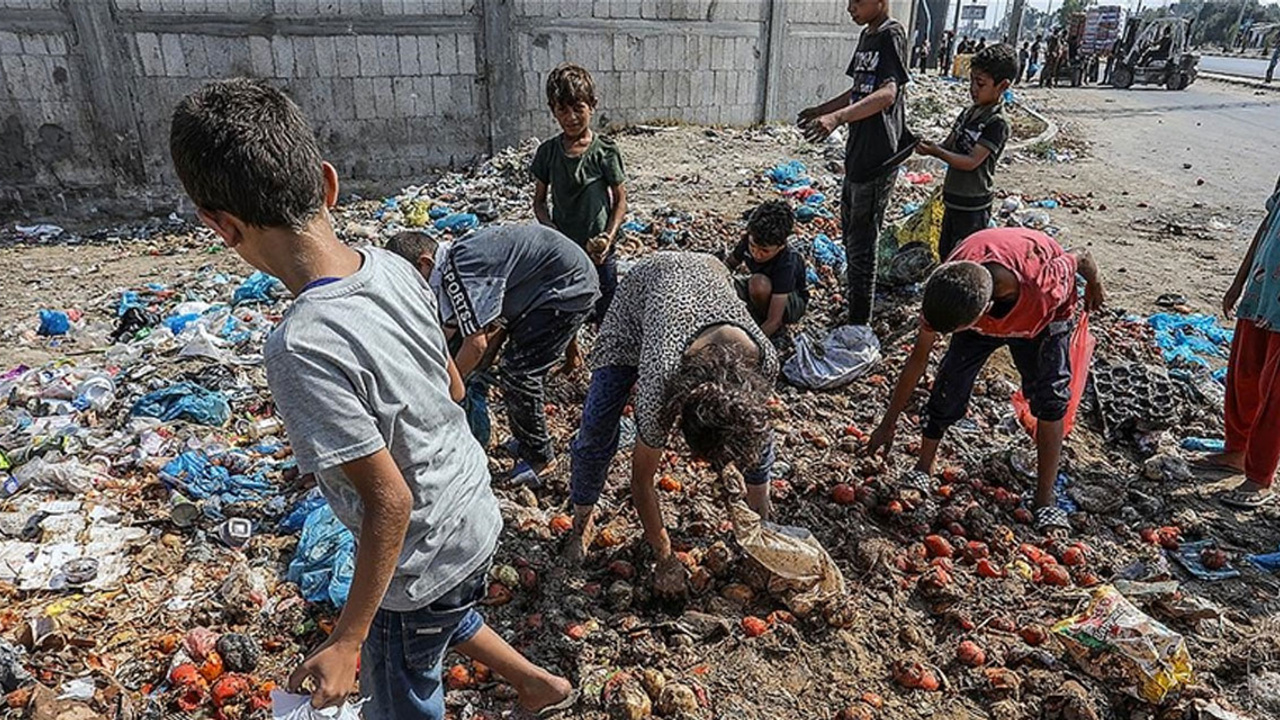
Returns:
(402, 660)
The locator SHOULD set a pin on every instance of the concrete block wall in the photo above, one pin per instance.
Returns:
(394, 88)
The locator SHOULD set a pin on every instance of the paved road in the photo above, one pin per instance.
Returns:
(1244, 67)
(1229, 136)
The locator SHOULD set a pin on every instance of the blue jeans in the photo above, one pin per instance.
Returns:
(597, 441)
(402, 660)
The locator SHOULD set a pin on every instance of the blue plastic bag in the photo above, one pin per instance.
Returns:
(297, 516)
(178, 323)
(325, 560)
(258, 287)
(1196, 444)
(828, 252)
(53, 322)
(437, 211)
(457, 222)
(184, 401)
(1190, 338)
(789, 175)
(197, 476)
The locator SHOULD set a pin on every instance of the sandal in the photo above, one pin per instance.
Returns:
(1242, 500)
(524, 474)
(1049, 518)
(566, 704)
(916, 481)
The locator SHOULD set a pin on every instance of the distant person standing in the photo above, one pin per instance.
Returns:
(982, 45)
(1024, 55)
(1034, 64)
(924, 56)
(944, 52)
(1052, 56)
(1275, 58)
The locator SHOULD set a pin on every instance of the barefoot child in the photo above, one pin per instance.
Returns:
(1253, 372)
(584, 174)
(678, 336)
(359, 372)
(1002, 287)
(777, 290)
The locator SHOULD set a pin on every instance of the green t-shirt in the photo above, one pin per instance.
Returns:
(580, 201)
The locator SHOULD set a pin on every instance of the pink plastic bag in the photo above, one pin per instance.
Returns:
(1081, 352)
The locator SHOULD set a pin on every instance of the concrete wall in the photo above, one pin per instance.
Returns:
(395, 88)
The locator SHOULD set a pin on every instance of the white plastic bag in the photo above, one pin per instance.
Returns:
(847, 353)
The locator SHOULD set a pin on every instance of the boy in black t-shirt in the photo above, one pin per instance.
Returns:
(874, 110)
(973, 148)
(776, 292)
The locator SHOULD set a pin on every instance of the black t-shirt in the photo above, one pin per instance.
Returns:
(875, 142)
(786, 271)
(986, 126)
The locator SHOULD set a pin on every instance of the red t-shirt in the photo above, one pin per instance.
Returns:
(1046, 278)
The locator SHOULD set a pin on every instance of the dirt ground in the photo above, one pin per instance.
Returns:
(1151, 233)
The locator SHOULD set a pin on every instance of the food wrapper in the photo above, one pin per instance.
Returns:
(1116, 642)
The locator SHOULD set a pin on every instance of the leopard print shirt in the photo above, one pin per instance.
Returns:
(661, 306)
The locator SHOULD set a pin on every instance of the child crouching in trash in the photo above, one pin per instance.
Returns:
(1001, 287)
(360, 374)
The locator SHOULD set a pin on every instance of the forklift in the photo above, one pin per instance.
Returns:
(1156, 52)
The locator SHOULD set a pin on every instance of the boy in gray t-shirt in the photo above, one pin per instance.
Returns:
(360, 374)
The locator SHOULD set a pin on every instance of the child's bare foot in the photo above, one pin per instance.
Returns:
(1223, 462)
(546, 693)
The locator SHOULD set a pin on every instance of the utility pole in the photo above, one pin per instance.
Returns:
(955, 25)
(1015, 22)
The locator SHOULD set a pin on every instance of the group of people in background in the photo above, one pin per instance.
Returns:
(370, 365)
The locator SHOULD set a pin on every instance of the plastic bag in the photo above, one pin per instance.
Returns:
(457, 222)
(325, 560)
(845, 354)
(1116, 642)
(925, 226)
(53, 322)
(184, 401)
(258, 287)
(1190, 337)
(805, 576)
(288, 706)
(1081, 353)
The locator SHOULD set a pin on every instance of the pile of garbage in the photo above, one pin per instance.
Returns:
(159, 552)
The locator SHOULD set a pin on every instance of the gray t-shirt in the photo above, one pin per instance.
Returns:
(360, 364)
(508, 271)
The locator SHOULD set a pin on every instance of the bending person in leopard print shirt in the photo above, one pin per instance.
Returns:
(677, 333)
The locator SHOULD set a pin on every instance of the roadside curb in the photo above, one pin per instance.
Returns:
(1237, 80)
(1050, 131)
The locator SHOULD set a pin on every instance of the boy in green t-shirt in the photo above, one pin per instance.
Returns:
(585, 175)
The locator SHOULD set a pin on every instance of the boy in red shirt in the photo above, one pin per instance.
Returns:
(1003, 286)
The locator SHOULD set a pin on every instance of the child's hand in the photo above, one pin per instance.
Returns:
(808, 114)
(598, 247)
(1094, 295)
(1231, 299)
(332, 671)
(925, 147)
(882, 437)
(819, 128)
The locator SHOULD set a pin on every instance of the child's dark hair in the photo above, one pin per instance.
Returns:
(955, 295)
(720, 399)
(569, 85)
(771, 223)
(411, 244)
(241, 146)
(999, 61)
